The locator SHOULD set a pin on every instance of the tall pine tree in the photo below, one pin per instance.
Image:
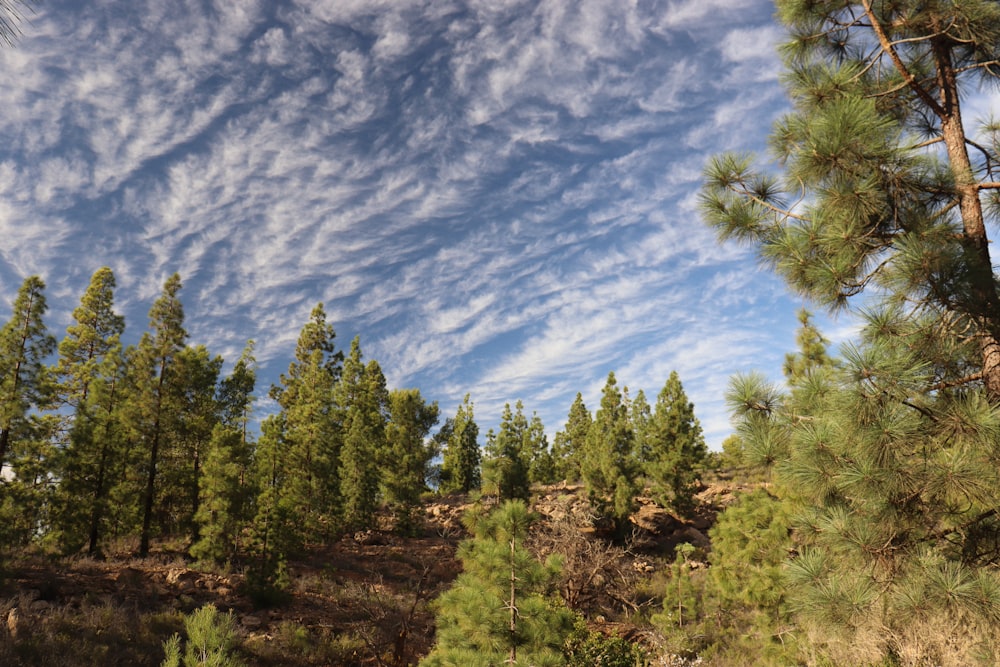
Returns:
(570, 444)
(362, 403)
(608, 466)
(155, 397)
(91, 372)
(676, 447)
(892, 456)
(407, 454)
(25, 343)
(25, 388)
(311, 485)
(460, 471)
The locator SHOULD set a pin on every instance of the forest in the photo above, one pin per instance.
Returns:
(852, 518)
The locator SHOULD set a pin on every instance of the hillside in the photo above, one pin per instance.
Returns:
(363, 601)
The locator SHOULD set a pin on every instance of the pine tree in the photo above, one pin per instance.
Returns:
(407, 455)
(608, 466)
(890, 456)
(501, 609)
(505, 469)
(274, 532)
(155, 398)
(750, 544)
(882, 191)
(569, 447)
(676, 447)
(190, 440)
(236, 399)
(24, 380)
(223, 485)
(236, 393)
(641, 417)
(25, 435)
(312, 439)
(541, 464)
(461, 467)
(91, 372)
(812, 352)
(362, 406)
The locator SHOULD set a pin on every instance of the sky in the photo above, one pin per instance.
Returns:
(498, 196)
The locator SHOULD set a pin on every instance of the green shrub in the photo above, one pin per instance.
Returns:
(211, 639)
(587, 648)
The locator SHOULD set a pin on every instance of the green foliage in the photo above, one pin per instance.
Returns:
(812, 352)
(24, 380)
(406, 458)
(506, 467)
(588, 648)
(90, 373)
(675, 447)
(879, 192)
(608, 466)
(570, 444)
(303, 472)
(363, 406)
(541, 464)
(153, 411)
(274, 533)
(461, 467)
(210, 641)
(501, 609)
(219, 511)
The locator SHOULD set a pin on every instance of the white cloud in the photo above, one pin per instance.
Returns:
(497, 195)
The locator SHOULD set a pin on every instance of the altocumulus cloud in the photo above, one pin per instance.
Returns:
(497, 196)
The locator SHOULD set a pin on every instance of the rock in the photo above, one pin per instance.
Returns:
(655, 519)
(251, 622)
(693, 536)
(183, 579)
(13, 622)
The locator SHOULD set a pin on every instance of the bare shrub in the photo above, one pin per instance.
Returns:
(597, 576)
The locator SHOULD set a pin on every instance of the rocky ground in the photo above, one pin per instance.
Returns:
(363, 601)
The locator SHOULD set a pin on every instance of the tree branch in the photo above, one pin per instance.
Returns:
(975, 377)
(890, 50)
(776, 209)
(985, 65)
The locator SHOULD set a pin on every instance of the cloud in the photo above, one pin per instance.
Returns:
(498, 196)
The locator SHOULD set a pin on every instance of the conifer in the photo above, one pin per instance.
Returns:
(362, 406)
(155, 395)
(506, 466)
(676, 448)
(90, 371)
(460, 470)
(311, 437)
(570, 444)
(608, 467)
(25, 343)
(407, 455)
(891, 456)
(501, 609)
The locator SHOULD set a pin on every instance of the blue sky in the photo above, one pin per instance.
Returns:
(499, 197)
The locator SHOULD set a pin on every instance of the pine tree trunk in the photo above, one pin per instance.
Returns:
(154, 453)
(512, 659)
(984, 304)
